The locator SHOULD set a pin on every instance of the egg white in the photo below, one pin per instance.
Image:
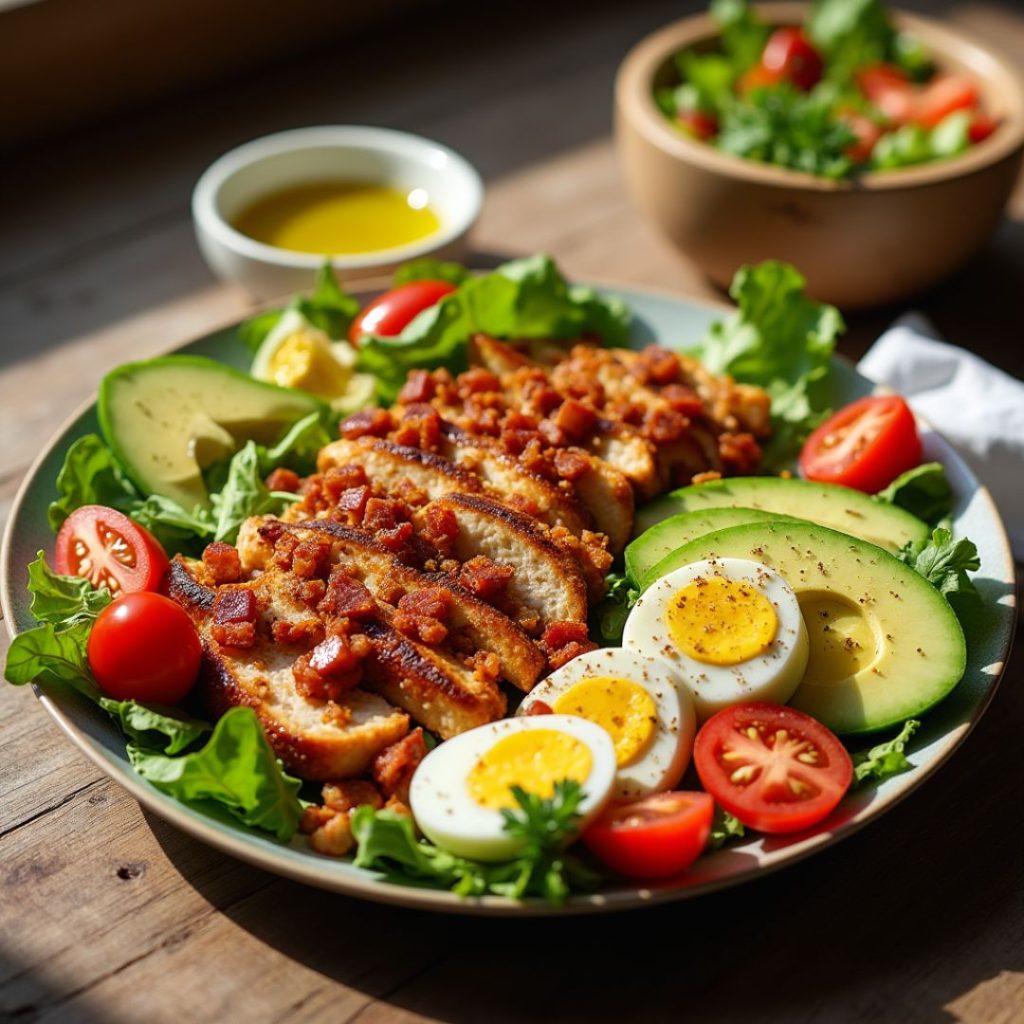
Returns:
(448, 815)
(772, 676)
(661, 765)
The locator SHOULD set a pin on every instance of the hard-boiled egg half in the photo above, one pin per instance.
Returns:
(640, 701)
(297, 354)
(731, 627)
(461, 787)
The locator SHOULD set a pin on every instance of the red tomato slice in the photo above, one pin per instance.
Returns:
(757, 77)
(773, 767)
(789, 55)
(700, 125)
(654, 837)
(388, 314)
(888, 88)
(865, 445)
(981, 128)
(866, 133)
(109, 550)
(144, 647)
(942, 96)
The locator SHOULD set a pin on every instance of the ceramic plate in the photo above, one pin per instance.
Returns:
(672, 322)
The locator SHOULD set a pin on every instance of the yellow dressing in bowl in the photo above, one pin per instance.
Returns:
(339, 217)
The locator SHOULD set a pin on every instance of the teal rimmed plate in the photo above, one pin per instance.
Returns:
(672, 322)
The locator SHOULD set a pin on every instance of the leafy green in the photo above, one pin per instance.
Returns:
(387, 843)
(90, 475)
(923, 491)
(245, 494)
(525, 298)
(743, 33)
(427, 269)
(782, 340)
(884, 759)
(908, 145)
(56, 650)
(850, 34)
(620, 596)
(298, 448)
(236, 769)
(329, 307)
(708, 81)
(788, 128)
(951, 136)
(945, 563)
(724, 829)
(149, 727)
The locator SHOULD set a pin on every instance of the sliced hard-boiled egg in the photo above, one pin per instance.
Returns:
(731, 627)
(461, 787)
(640, 701)
(297, 354)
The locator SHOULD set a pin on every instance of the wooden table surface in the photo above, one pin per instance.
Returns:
(108, 914)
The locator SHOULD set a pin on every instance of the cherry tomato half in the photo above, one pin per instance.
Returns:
(144, 647)
(866, 135)
(653, 837)
(698, 124)
(388, 314)
(889, 89)
(773, 767)
(757, 77)
(788, 55)
(942, 96)
(982, 126)
(109, 550)
(865, 445)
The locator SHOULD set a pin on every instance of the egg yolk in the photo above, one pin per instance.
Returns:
(534, 760)
(622, 708)
(303, 360)
(721, 621)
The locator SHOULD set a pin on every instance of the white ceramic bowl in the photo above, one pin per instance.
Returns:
(307, 155)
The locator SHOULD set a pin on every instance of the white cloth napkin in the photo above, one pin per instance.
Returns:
(978, 408)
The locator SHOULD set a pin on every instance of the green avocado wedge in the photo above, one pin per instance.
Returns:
(644, 553)
(839, 508)
(884, 643)
(167, 419)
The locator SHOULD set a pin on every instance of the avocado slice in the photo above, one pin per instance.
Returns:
(644, 553)
(884, 643)
(839, 508)
(167, 419)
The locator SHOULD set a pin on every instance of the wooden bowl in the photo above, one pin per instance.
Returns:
(860, 243)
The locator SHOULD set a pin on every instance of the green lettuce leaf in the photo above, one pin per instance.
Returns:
(620, 596)
(62, 600)
(923, 491)
(428, 269)
(90, 475)
(154, 728)
(782, 340)
(743, 34)
(525, 298)
(724, 829)
(236, 769)
(884, 759)
(244, 494)
(850, 34)
(945, 563)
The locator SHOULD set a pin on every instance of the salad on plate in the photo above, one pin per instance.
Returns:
(458, 585)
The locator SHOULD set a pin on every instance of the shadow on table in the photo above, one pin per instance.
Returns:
(895, 923)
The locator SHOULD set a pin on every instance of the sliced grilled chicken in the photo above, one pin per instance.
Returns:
(547, 581)
(484, 628)
(313, 741)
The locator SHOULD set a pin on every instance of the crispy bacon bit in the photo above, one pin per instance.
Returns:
(477, 381)
(393, 767)
(282, 479)
(302, 631)
(311, 557)
(419, 386)
(439, 528)
(552, 433)
(486, 666)
(571, 463)
(397, 539)
(339, 479)
(563, 641)
(397, 806)
(366, 423)
(538, 707)
(406, 491)
(334, 837)
(351, 793)
(284, 549)
(310, 592)
(486, 578)
(420, 428)
(384, 514)
(223, 562)
(271, 531)
(665, 425)
(658, 366)
(234, 618)
(423, 615)
(739, 452)
(683, 399)
(353, 501)
(521, 503)
(332, 668)
(347, 597)
(575, 420)
(314, 818)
